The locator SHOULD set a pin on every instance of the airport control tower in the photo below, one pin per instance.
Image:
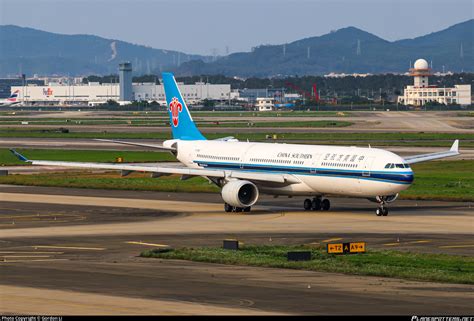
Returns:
(420, 72)
(126, 92)
(421, 92)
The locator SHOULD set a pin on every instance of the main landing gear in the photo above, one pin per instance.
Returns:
(229, 208)
(381, 211)
(317, 204)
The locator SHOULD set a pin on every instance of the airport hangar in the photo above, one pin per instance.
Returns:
(124, 92)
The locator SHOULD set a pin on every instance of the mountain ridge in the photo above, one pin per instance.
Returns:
(348, 50)
(28, 49)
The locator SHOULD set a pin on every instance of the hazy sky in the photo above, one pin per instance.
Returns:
(196, 26)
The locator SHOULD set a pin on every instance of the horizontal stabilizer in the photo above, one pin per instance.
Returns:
(137, 144)
(227, 139)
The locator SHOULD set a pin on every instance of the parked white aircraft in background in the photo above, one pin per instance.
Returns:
(12, 100)
(244, 169)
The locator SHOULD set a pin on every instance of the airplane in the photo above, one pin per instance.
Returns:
(12, 100)
(244, 170)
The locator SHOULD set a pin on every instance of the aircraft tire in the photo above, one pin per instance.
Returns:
(379, 211)
(316, 204)
(325, 205)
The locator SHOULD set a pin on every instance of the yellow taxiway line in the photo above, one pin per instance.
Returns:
(27, 252)
(27, 261)
(16, 256)
(68, 247)
(331, 240)
(420, 241)
(149, 244)
(455, 246)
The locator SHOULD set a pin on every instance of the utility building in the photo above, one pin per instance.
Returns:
(94, 93)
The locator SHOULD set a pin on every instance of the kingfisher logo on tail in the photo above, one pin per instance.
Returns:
(175, 109)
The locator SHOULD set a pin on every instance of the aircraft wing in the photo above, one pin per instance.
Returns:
(427, 157)
(184, 171)
(137, 144)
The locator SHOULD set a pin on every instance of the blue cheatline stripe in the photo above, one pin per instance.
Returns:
(392, 177)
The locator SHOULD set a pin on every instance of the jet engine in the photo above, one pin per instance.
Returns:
(240, 193)
(384, 199)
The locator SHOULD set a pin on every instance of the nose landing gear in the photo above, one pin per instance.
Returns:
(381, 211)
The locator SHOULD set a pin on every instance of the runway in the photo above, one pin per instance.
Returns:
(75, 251)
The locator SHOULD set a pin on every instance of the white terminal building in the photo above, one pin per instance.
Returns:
(421, 92)
(95, 93)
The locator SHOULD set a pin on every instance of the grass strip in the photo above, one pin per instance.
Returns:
(442, 180)
(165, 123)
(405, 265)
(106, 156)
(376, 139)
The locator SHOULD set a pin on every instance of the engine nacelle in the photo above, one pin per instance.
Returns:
(384, 199)
(240, 193)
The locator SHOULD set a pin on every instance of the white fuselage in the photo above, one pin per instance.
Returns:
(322, 170)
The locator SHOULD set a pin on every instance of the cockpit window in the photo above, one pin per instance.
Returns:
(392, 165)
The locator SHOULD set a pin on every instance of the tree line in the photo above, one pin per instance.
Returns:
(349, 86)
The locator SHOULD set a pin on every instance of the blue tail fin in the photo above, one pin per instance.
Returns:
(182, 124)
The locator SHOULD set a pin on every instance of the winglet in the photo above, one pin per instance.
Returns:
(455, 147)
(20, 156)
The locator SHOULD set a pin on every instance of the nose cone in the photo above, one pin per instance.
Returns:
(409, 177)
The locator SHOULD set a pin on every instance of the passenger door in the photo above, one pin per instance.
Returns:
(366, 168)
